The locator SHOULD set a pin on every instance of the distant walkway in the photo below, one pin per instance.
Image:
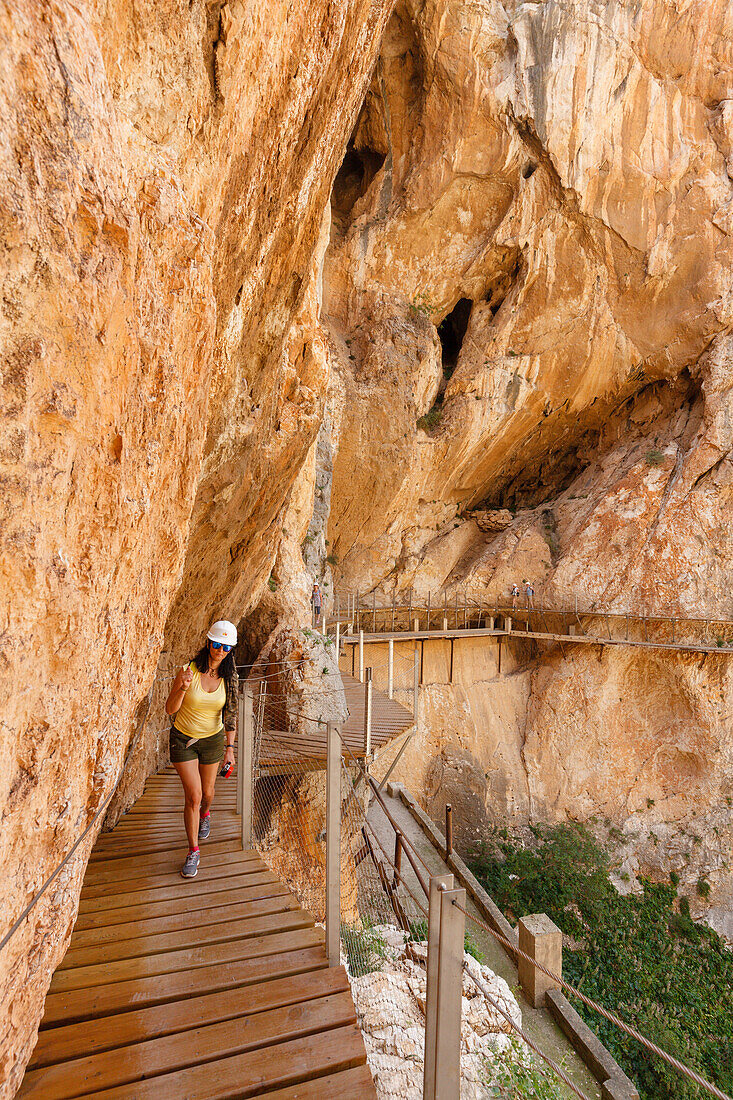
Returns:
(282, 751)
(413, 622)
(198, 990)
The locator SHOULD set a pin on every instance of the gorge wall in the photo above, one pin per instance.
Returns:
(166, 169)
(530, 299)
(293, 289)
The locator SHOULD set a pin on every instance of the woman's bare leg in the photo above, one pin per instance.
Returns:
(207, 774)
(191, 780)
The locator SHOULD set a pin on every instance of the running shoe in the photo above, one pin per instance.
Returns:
(205, 827)
(191, 865)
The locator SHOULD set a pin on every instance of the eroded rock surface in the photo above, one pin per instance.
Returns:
(547, 188)
(166, 169)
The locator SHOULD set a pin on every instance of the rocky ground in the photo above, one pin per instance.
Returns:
(390, 1005)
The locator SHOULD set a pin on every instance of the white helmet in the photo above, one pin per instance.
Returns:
(223, 631)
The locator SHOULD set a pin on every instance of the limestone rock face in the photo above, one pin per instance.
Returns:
(548, 184)
(166, 168)
(548, 188)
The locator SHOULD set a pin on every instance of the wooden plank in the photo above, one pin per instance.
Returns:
(89, 1004)
(273, 888)
(60, 1044)
(250, 1073)
(191, 958)
(191, 888)
(189, 918)
(121, 848)
(166, 941)
(350, 1084)
(228, 856)
(174, 1052)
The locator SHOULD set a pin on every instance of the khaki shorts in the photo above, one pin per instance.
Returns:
(207, 750)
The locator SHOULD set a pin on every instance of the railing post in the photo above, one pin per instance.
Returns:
(338, 639)
(361, 656)
(390, 668)
(368, 714)
(447, 1028)
(323, 624)
(448, 829)
(508, 624)
(333, 846)
(416, 684)
(244, 765)
(437, 884)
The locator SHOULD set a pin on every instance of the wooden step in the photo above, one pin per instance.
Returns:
(253, 1072)
(163, 942)
(172, 887)
(350, 1084)
(89, 1004)
(126, 914)
(167, 864)
(189, 918)
(202, 1044)
(190, 958)
(61, 1044)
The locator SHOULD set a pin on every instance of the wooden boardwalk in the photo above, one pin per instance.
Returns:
(205, 989)
(280, 751)
(565, 627)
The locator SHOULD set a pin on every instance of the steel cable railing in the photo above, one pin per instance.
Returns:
(398, 882)
(612, 1018)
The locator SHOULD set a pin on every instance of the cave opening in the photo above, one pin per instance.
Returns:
(353, 179)
(452, 330)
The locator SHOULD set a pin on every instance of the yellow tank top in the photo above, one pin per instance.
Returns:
(200, 713)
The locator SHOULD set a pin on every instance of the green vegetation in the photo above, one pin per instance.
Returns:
(331, 559)
(421, 306)
(365, 949)
(430, 419)
(517, 1074)
(654, 458)
(653, 965)
(272, 583)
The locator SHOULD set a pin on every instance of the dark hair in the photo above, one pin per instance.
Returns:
(225, 670)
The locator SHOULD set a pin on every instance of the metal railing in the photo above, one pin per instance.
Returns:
(366, 616)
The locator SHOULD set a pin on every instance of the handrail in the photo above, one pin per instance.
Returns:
(39, 893)
(60, 867)
(471, 603)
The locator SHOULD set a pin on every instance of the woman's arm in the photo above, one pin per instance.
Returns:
(181, 685)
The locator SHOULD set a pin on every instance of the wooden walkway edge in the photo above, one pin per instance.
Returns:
(206, 989)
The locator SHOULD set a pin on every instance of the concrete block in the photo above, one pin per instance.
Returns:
(541, 940)
(617, 1089)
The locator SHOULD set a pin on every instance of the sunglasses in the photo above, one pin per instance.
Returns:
(221, 645)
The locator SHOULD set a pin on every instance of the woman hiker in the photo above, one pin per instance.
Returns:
(203, 700)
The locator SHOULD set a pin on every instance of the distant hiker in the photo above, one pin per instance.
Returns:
(316, 604)
(515, 596)
(203, 705)
(529, 595)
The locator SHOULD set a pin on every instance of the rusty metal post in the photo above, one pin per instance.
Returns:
(448, 829)
(397, 860)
